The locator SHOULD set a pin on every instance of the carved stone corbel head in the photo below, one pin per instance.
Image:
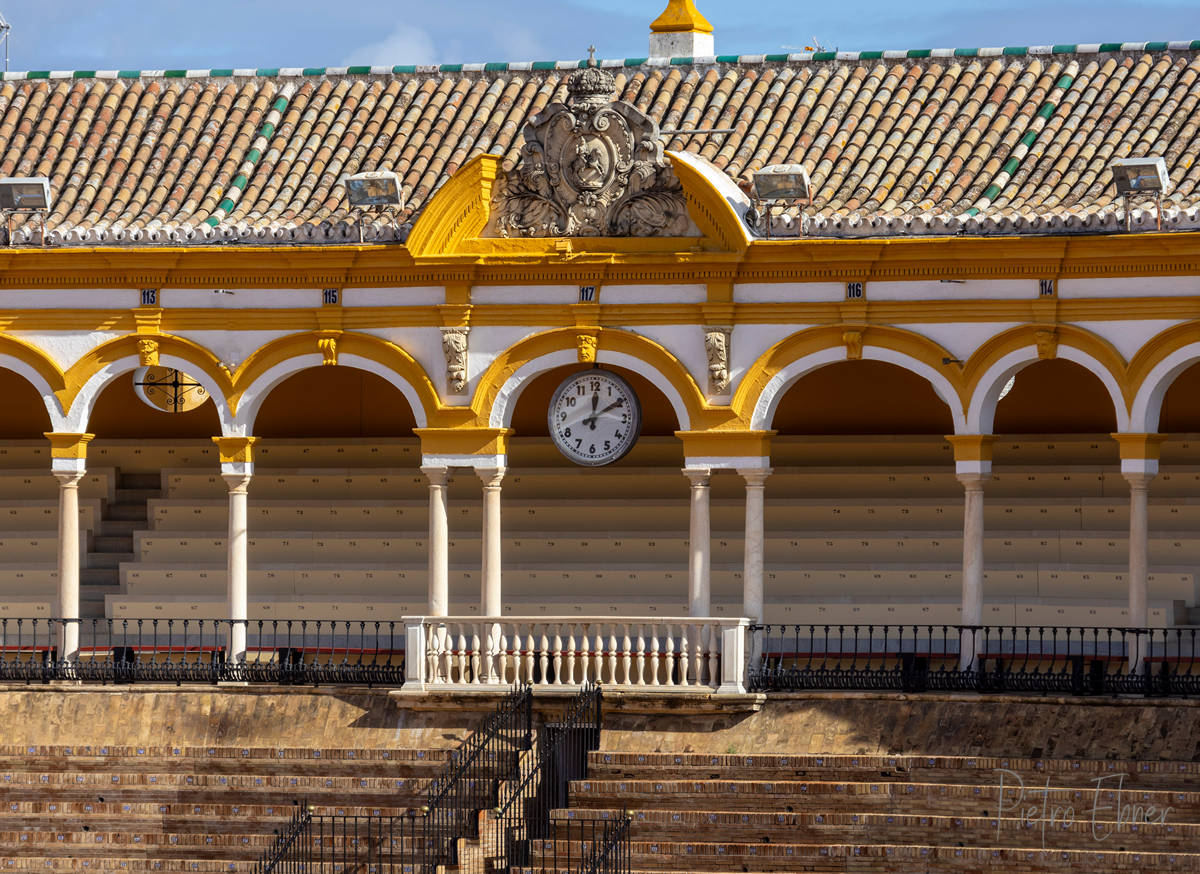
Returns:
(454, 346)
(1047, 344)
(716, 347)
(147, 352)
(586, 346)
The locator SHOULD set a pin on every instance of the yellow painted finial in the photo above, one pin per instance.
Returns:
(681, 16)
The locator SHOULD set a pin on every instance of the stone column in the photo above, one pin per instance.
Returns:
(699, 546)
(68, 463)
(1139, 466)
(439, 542)
(237, 469)
(752, 571)
(973, 467)
(491, 594)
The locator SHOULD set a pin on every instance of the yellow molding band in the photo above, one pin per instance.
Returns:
(235, 450)
(68, 445)
(726, 443)
(1139, 446)
(972, 447)
(464, 441)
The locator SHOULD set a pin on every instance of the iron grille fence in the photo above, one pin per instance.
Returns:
(917, 658)
(193, 651)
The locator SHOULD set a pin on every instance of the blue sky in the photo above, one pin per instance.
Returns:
(151, 34)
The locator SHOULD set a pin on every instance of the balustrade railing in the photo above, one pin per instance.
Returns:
(547, 651)
(918, 658)
(194, 650)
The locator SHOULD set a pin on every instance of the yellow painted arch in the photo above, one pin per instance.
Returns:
(804, 343)
(388, 355)
(1159, 347)
(703, 415)
(1023, 336)
(38, 361)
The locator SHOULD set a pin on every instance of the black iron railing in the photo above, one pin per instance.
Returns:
(586, 843)
(918, 658)
(421, 840)
(194, 651)
(544, 780)
(289, 854)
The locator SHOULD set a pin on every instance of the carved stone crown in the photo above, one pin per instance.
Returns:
(590, 87)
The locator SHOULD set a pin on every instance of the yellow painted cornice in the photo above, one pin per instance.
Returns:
(73, 446)
(604, 260)
(236, 450)
(1139, 446)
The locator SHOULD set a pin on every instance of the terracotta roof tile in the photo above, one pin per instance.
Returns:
(947, 141)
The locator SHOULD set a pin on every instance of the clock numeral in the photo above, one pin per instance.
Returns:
(570, 402)
(566, 432)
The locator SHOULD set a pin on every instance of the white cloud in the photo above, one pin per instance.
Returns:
(404, 45)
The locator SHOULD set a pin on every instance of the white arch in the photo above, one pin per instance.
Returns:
(501, 413)
(77, 418)
(778, 385)
(1147, 403)
(53, 407)
(981, 411)
(252, 398)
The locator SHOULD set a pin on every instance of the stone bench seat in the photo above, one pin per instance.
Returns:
(33, 483)
(41, 514)
(272, 483)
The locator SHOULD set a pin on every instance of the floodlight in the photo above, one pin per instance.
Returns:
(25, 193)
(1146, 175)
(374, 189)
(781, 182)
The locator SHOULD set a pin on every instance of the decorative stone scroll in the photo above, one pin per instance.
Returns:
(329, 351)
(454, 346)
(716, 346)
(854, 344)
(592, 167)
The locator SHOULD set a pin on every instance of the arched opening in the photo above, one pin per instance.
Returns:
(334, 402)
(1181, 404)
(595, 539)
(25, 416)
(861, 465)
(1056, 397)
(120, 414)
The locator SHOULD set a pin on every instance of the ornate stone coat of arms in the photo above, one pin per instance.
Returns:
(592, 167)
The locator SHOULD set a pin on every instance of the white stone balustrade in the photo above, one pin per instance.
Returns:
(649, 654)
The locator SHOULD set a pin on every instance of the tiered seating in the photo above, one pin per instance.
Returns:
(29, 534)
(183, 808)
(758, 813)
(873, 542)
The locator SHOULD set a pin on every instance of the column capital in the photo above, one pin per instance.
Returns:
(491, 476)
(1139, 453)
(68, 454)
(972, 453)
(438, 475)
(1138, 479)
(238, 482)
(973, 480)
(755, 477)
(237, 455)
(699, 476)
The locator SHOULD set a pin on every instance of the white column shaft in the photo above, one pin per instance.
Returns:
(1139, 548)
(439, 543)
(68, 564)
(239, 591)
(491, 603)
(972, 570)
(699, 548)
(752, 570)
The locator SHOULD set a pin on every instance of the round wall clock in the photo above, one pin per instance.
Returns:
(594, 417)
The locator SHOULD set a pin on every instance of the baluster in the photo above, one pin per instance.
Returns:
(527, 672)
(684, 661)
(571, 655)
(603, 657)
(463, 656)
(475, 666)
(585, 654)
(612, 657)
(626, 657)
(655, 659)
(713, 640)
(698, 660)
(640, 660)
(558, 655)
(544, 657)
(669, 657)
(501, 655)
(431, 653)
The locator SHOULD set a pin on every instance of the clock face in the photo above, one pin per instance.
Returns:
(594, 417)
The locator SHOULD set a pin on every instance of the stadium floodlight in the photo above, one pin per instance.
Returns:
(1146, 175)
(782, 182)
(31, 193)
(375, 189)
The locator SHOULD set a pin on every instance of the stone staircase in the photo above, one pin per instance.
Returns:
(113, 540)
(760, 813)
